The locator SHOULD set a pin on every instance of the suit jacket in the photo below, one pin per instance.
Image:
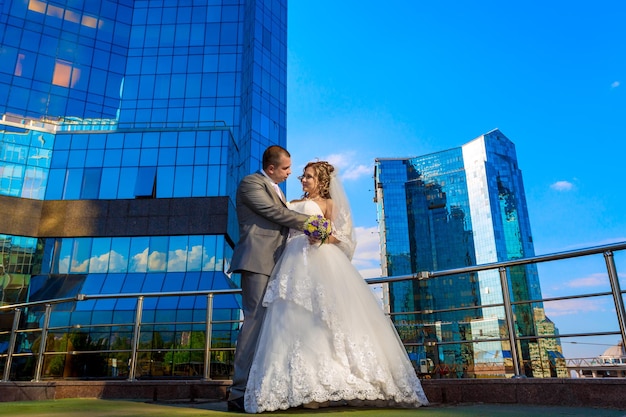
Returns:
(264, 222)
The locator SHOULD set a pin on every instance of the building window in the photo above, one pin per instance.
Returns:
(65, 75)
(145, 187)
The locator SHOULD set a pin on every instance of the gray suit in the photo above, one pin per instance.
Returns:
(264, 222)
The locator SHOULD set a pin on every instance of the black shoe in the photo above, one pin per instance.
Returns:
(236, 405)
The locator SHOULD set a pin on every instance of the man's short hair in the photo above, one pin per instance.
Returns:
(273, 154)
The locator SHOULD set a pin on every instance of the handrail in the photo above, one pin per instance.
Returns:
(84, 297)
(507, 304)
(576, 253)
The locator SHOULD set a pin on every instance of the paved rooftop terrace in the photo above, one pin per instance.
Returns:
(120, 408)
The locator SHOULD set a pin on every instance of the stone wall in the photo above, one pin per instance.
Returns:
(603, 393)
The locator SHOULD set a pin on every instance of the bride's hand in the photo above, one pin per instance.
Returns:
(329, 239)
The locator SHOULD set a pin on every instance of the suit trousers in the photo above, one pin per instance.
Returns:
(253, 287)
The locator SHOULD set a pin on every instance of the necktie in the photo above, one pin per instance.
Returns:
(278, 191)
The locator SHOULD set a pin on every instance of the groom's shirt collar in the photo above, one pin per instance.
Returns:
(277, 189)
(267, 176)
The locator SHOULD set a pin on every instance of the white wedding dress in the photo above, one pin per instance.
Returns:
(325, 337)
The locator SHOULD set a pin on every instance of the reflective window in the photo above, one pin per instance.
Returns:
(100, 255)
(167, 156)
(209, 260)
(132, 140)
(113, 283)
(195, 254)
(217, 155)
(149, 157)
(109, 184)
(157, 257)
(63, 256)
(133, 283)
(165, 182)
(185, 156)
(118, 260)
(199, 182)
(145, 185)
(177, 255)
(56, 182)
(206, 280)
(173, 282)
(104, 316)
(34, 185)
(115, 141)
(130, 157)
(201, 155)
(149, 140)
(112, 157)
(60, 159)
(73, 184)
(138, 256)
(184, 311)
(226, 87)
(94, 158)
(61, 318)
(87, 305)
(166, 308)
(81, 252)
(90, 188)
(127, 185)
(183, 181)
(209, 84)
(152, 283)
(213, 181)
(191, 282)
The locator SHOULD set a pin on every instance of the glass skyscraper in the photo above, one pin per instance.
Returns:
(459, 207)
(125, 128)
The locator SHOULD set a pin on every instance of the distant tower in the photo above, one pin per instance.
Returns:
(460, 207)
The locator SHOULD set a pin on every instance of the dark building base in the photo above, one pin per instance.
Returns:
(121, 390)
(603, 393)
(587, 392)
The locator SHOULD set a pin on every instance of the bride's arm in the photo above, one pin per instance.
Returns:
(328, 213)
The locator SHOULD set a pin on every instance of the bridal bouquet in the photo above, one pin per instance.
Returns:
(318, 227)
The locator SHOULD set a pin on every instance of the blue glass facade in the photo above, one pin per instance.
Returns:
(125, 131)
(460, 207)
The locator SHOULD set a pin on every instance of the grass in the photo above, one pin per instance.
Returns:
(119, 408)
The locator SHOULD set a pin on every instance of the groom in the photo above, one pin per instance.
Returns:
(264, 222)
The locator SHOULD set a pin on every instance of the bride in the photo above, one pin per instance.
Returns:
(325, 339)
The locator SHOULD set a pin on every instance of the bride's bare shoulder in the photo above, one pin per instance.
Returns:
(328, 208)
(297, 201)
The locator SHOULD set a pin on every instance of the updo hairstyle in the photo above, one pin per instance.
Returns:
(323, 171)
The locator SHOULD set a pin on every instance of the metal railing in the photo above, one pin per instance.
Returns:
(136, 325)
(502, 267)
(616, 292)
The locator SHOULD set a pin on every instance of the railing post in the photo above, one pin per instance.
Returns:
(7, 366)
(617, 294)
(384, 288)
(510, 322)
(43, 342)
(207, 340)
(135, 344)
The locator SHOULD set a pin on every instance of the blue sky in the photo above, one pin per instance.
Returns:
(401, 78)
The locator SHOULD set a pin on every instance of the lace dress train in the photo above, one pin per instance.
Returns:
(325, 337)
